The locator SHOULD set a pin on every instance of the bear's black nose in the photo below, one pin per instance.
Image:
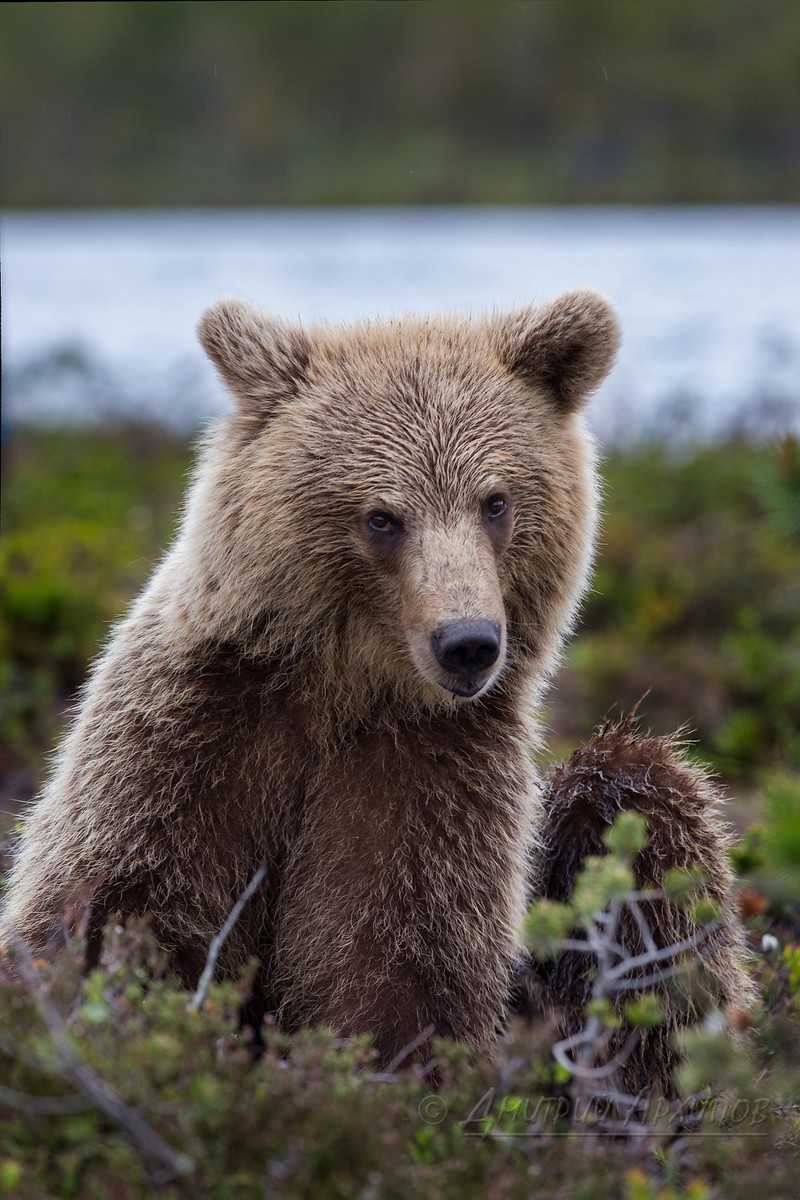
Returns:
(466, 647)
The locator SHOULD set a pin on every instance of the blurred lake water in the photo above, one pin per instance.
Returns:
(99, 308)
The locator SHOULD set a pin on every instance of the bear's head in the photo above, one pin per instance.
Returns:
(408, 503)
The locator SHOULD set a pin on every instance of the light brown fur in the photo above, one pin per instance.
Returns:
(273, 692)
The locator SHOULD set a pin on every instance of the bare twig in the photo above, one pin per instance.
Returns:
(576, 945)
(43, 1106)
(596, 1078)
(16, 1049)
(653, 956)
(643, 981)
(641, 921)
(588, 1072)
(152, 1148)
(219, 940)
(408, 1050)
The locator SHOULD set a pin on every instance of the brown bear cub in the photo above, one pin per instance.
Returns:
(334, 667)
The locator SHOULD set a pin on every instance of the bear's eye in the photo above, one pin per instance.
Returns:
(496, 506)
(383, 522)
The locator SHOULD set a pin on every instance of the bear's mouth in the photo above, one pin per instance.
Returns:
(465, 689)
(458, 688)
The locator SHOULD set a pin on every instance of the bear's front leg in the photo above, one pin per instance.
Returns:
(176, 778)
(406, 889)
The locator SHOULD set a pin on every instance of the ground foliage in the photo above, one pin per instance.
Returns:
(118, 1085)
(696, 600)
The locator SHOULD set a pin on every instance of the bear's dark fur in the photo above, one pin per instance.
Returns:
(617, 771)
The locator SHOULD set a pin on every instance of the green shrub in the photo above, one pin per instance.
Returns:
(114, 1085)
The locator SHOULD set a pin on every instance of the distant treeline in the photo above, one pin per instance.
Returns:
(400, 101)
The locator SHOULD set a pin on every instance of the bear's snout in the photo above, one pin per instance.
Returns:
(466, 648)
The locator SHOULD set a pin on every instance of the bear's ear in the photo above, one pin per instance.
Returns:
(566, 347)
(263, 360)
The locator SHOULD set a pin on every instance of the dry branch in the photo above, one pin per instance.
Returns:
(219, 940)
(160, 1160)
(582, 1054)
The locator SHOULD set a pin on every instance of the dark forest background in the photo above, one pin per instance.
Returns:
(400, 101)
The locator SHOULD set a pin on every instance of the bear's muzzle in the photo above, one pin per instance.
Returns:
(466, 650)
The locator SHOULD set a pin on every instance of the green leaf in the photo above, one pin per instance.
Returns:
(546, 926)
(682, 885)
(646, 1012)
(627, 836)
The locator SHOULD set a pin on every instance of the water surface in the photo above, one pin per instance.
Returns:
(99, 308)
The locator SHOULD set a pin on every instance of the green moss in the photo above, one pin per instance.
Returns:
(696, 603)
(86, 514)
